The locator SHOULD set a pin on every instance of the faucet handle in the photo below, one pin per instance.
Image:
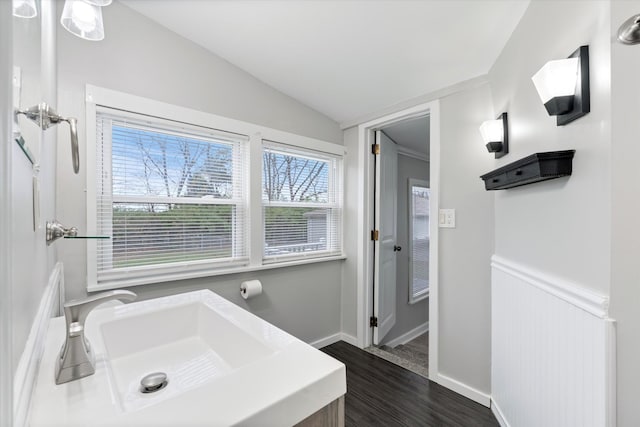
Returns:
(76, 359)
(77, 310)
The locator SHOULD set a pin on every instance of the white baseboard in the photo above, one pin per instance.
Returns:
(408, 336)
(498, 414)
(331, 339)
(349, 339)
(323, 342)
(467, 391)
(29, 363)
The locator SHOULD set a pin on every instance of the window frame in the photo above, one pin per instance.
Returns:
(235, 141)
(335, 187)
(97, 98)
(413, 296)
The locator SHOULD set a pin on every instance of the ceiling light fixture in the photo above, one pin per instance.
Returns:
(25, 8)
(494, 134)
(563, 86)
(83, 19)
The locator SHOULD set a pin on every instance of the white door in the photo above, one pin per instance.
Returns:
(384, 292)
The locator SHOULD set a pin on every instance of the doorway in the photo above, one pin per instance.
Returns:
(401, 251)
(370, 262)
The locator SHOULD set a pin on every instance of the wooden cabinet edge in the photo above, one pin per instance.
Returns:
(331, 415)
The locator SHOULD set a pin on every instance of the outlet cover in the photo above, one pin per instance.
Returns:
(447, 218)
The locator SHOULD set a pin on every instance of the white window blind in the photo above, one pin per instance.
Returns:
(170, 196)
(302, 203)
(419, 240)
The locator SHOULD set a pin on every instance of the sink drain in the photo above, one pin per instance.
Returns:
(153, 382)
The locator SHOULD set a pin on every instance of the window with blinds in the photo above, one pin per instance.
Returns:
(302, 203)
(418, 240)
(169, 195)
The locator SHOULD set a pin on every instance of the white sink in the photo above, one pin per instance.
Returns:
(187, 340)
(224, 366)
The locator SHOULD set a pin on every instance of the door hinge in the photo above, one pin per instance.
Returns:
(373, 322)
(374, 234)
(375, 149)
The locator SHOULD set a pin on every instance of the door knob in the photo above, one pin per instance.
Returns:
(397, 248)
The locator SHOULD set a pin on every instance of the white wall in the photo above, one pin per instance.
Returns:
(464, 289)
(350, 233)
(302, 300)
(32, 259)
(562, 226)
(26, 261)
(625, 205)
(6, 69)
(142, 58)
(464, 252)
(408, 316)
(559, 228)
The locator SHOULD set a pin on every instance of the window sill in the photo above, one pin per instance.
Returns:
(419, 298)
(171, 277)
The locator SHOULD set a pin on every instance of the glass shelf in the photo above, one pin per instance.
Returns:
(23, 146)
(87, 237)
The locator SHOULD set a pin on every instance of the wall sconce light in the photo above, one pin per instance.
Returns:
(25, 8)
(83, 18)
(563, 86)
(495, 135)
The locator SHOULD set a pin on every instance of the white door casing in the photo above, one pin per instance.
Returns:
(364, 200)
(384, 292)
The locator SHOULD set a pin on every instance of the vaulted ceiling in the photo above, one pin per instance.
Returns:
(347, 58)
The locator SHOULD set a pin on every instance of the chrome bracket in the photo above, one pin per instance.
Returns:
(45, 117)
(55, 230)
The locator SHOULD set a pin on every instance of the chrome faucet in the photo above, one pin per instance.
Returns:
(76, 359)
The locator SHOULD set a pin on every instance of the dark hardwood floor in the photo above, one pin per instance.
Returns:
(380, 393)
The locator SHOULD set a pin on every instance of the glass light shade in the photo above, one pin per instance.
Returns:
(492, 131)
(83, 20)
(556, 78)
(101, 3)
(25, 8)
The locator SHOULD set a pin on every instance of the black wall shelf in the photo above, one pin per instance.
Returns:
(534, 168)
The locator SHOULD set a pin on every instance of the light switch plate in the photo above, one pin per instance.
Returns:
(447, 218)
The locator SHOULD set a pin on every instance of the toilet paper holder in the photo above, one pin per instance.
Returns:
(250, 288)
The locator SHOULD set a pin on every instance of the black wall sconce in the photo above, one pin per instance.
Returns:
(495, 135)
(563, 86)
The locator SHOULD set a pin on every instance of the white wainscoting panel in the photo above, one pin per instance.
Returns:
(29, 363)
(553, 351)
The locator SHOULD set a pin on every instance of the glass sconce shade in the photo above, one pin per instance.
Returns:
(556, 85)
(492, 131)
(25, 8)
(101, 3)
(494, 134)
(563, 86)
(83, 20)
